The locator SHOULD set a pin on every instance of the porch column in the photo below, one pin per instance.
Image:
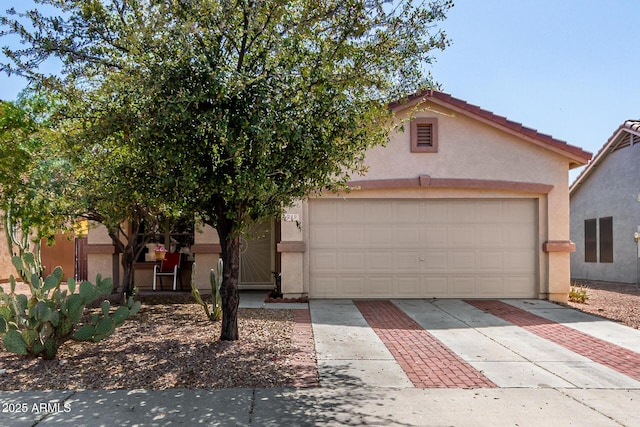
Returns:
(292, 248)
(206, 251)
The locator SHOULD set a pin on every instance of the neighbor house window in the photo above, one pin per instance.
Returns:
(424, 135)
(606, 239)
(590, 241)
(598, 240)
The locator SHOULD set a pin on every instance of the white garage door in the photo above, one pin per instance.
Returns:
(384, 248)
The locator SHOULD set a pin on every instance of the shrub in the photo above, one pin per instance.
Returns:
(578, 294)
(38, 325)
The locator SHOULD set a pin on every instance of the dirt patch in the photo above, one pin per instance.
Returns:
(619, 302)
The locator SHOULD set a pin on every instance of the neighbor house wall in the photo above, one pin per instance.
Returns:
(612, 190)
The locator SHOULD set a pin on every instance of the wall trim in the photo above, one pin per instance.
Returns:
(206, 248)
(559, 246)
(427, 181)
(291, 246)
(100, 248)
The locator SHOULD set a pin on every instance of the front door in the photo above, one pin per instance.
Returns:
(256, 257)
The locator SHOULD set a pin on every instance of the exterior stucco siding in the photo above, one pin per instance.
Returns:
(611, 191)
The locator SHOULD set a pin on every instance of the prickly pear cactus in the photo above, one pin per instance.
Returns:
(38, 325)
(215, 280)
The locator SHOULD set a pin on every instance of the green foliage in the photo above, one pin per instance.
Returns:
(231, 110)
(215, 280)
(37, 325)
(578, 294)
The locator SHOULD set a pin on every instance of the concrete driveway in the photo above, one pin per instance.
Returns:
(401, 363)
(534, 362)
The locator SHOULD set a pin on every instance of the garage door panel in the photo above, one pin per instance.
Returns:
(352, 212)
(519, 211)
(323, 261)
(423, 248)
(492, 286)
(463, 236)
(435, 286)
(434, 235)
(380, 235)
(324, 236)
(406, 261)
(435, 212)
(489, 212)
(462, 211)
(434, 261)
(351, 261)
(353, 286)
(490, 260)
(381, 261)
(462, 260)
(406, 211)
(489, 236)
(460, 286)
(407, 287)
(325, 287)
(380, 286)
(518, 260)
(405, 237)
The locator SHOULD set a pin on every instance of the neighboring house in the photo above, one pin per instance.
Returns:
(605, 210)
(461, 204)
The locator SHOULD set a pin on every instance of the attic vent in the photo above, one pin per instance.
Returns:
(424, 135)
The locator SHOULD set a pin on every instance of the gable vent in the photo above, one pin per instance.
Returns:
(424, 135)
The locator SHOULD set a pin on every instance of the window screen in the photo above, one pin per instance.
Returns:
(606, 239)
(590, 241)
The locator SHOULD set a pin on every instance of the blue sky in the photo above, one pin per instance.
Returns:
(568, 68)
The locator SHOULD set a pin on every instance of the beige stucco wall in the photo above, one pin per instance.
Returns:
(470, 149)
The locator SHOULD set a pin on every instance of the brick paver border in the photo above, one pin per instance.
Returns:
(427, 362)
(620, 359)
(304, 360)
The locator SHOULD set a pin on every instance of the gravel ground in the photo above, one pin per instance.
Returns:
(615, 301)
(176, 346)
(166, 346)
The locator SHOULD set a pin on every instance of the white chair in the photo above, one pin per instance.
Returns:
(170, 266)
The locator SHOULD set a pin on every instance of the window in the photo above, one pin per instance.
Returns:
(606, 239)
(424, 135)
(590, 241)
(598, 240)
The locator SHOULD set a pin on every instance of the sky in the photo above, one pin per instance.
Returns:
(567, 68)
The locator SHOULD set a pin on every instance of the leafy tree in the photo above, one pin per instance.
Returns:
(245, 106)
(30, 173)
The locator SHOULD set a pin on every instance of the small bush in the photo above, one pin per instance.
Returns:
(578, 294)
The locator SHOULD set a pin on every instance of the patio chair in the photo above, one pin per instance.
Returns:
(170, 266)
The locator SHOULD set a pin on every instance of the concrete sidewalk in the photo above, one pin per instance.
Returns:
(540, 383)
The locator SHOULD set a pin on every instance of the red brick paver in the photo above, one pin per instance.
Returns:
(304, 360)
(615, 357)
(426, 361)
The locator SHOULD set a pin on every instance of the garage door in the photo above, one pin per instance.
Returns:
(383, 248)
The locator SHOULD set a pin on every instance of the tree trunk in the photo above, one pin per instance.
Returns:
(128, 260)
(229, 290)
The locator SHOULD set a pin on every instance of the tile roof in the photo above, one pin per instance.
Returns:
(575, 153)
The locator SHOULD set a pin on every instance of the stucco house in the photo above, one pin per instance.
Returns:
(461, 203)
(605, 210)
